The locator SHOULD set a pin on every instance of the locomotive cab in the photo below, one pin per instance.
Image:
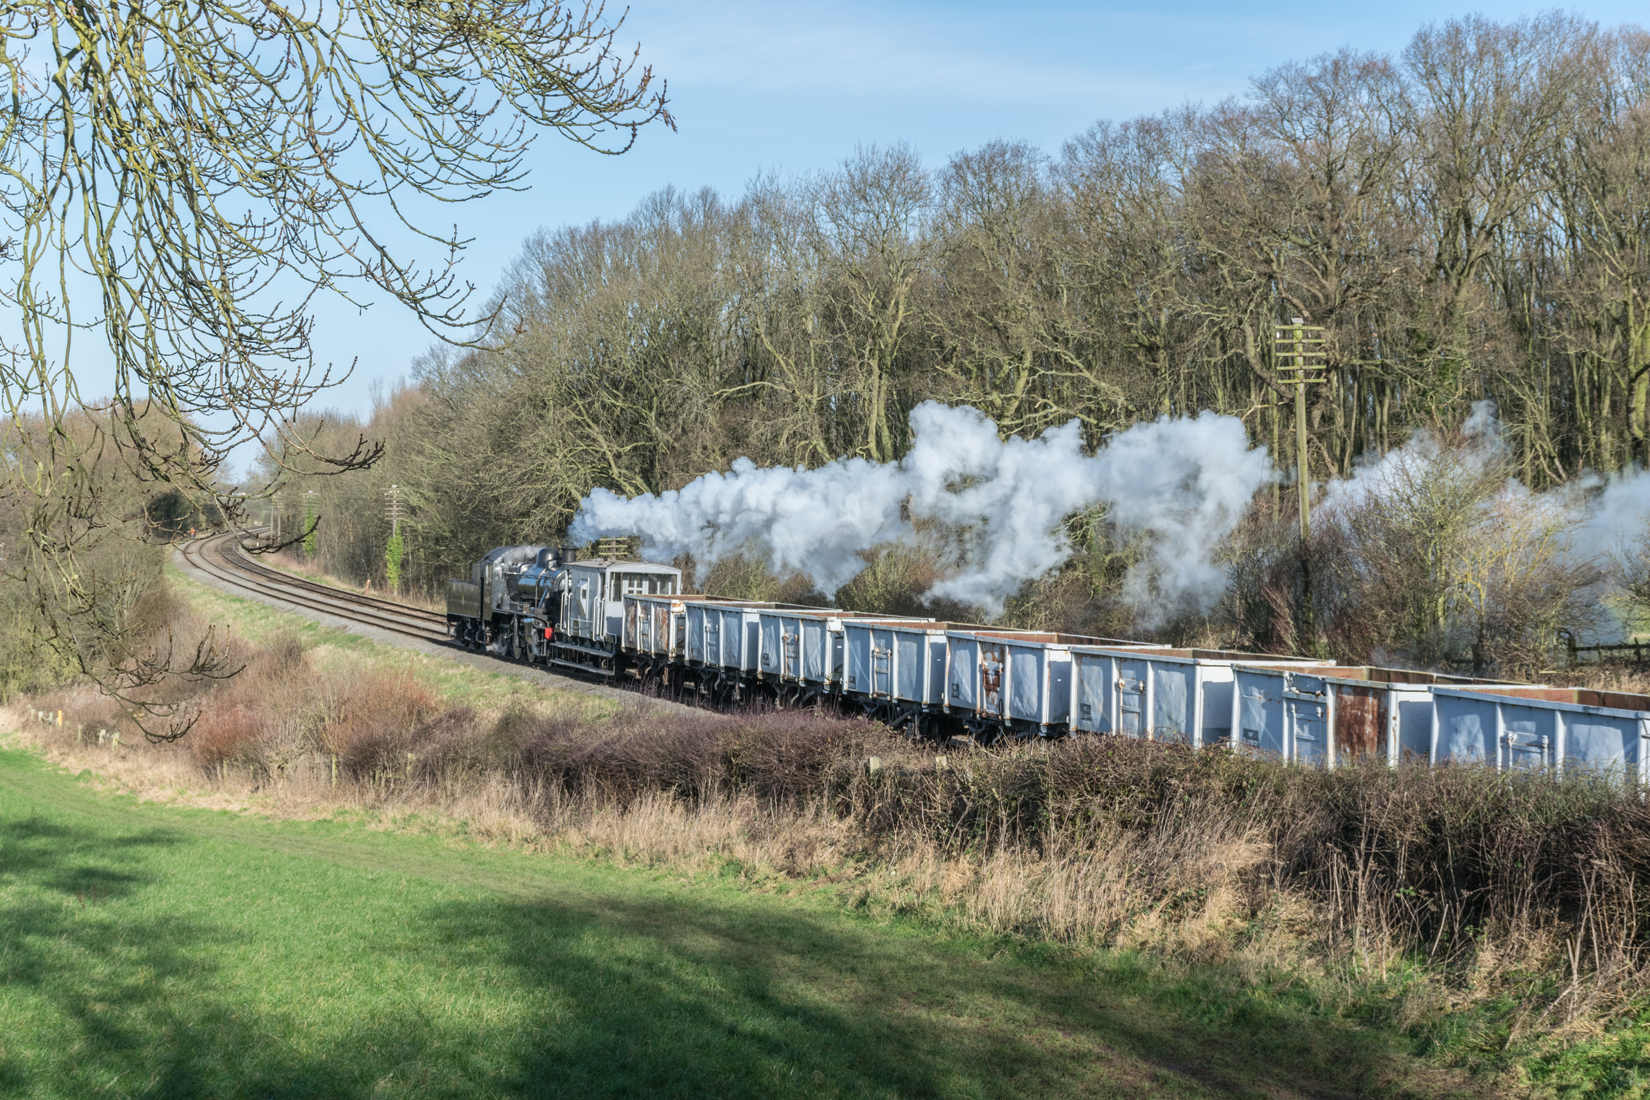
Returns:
(593, 611)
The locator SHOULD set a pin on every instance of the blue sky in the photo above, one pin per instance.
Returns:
(793, 87)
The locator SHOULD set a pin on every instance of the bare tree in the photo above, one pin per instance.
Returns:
(198, 173)
(1016, 333)
(1488, 105)
(868, 232)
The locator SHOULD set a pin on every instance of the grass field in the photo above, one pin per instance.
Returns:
(149, 950)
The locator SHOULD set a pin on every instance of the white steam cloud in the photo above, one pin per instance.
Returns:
(1424, 456)
(1183, 484)
(1596, 518)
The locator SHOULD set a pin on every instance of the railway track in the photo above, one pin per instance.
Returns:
(224, 558)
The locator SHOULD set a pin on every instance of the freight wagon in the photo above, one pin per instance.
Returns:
(1336, 715)
(1161, 694)
(1540, 728)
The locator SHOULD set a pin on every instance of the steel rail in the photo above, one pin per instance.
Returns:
(233, 570)
(235, 552)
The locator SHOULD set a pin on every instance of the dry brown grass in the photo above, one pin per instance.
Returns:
(1626, 676)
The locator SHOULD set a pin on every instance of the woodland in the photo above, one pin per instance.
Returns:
(1469, 221)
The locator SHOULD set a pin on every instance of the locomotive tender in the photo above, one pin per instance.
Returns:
(629, 621)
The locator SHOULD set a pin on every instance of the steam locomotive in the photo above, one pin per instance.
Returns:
(537, 604)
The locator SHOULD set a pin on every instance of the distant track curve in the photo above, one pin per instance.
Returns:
(225, 558)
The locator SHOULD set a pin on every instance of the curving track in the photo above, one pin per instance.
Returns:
(223, 557)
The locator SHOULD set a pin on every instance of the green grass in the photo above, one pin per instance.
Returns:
(156, 951)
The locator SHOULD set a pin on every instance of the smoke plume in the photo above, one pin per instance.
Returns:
(1180, 484)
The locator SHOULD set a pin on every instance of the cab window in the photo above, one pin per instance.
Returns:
(647, 584)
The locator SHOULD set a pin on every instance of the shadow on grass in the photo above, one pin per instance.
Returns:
(683, 998)
(633, 992)
(117, 1004)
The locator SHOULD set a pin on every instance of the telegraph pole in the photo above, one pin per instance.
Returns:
(393, 549)
(1302, 362)
(392, 496)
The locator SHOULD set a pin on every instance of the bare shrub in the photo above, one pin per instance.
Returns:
(1626, 676)
(896, 581)
(232, 732)
(445, 746)
(1072, 601)
(255, 720)
(153, 612)
(371, 728)
(741, 577)
(1435, 557)
(789, 758)
(780, 757)
(1630, 567)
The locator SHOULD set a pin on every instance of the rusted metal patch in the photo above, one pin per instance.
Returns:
(991, 680)
(1360, 722)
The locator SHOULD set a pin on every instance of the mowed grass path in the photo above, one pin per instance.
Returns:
(154, 951)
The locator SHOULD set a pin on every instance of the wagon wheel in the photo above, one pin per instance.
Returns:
(765, 697)
(886, 713)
